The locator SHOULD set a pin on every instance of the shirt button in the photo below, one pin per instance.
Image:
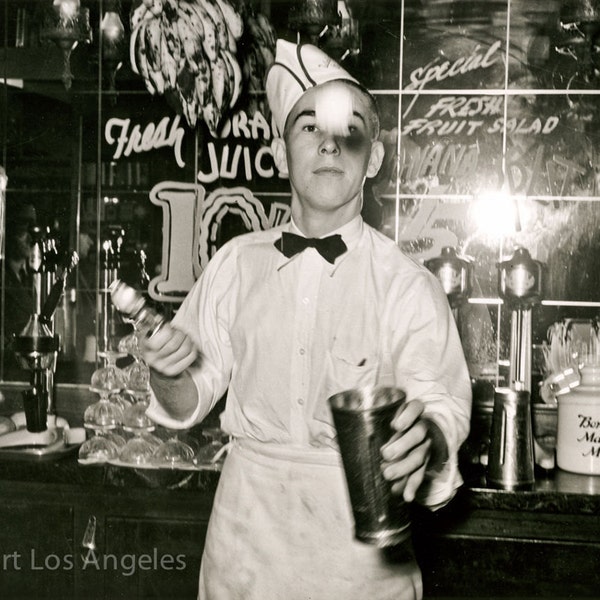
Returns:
(301, 351)
(301, 401)
(305, 300)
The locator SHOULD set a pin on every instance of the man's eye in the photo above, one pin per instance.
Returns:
(309, 128)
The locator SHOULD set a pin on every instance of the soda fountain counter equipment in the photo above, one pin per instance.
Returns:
(511, 454)
(110, 323)
(3, 184)
(520, 287)
(455, 273)
(39, 432)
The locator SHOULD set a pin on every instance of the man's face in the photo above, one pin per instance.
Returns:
(21, 243)
(327, 171)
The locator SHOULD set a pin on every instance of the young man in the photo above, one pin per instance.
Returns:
(282, 328)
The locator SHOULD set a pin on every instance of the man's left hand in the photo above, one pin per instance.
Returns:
(407, 455)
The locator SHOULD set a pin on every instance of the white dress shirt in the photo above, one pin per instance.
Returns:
(281, 335)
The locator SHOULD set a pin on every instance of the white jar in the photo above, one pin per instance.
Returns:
(578, 434)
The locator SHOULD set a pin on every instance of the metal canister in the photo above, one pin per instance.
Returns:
(454, 272)
(363, 418)
(511, 457)
(520, 279)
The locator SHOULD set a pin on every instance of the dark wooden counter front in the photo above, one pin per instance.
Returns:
(150, 531)
(488, 543)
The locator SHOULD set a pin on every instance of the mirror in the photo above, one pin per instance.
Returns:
(498, 149)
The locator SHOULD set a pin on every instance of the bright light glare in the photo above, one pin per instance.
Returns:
(333, 109)
(68, 8)
(112, 27)
(495, 214)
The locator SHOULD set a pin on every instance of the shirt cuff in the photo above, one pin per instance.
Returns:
(161, 417)
(439, 487)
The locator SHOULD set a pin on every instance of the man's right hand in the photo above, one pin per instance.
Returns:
(168, 350)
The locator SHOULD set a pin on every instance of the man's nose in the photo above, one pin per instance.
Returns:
(329, 145)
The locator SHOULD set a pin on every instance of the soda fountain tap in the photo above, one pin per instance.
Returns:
(51, 260)
(47, 277)
(520, 279)
(36, 348)
(58, 287)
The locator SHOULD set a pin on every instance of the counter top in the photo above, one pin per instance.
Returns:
(555, 492)
(67, 471)
(560, 492)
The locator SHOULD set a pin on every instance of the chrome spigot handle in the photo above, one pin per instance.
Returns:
(36, 266)
(56, 292)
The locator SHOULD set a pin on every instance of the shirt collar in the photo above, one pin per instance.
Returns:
(351, 233)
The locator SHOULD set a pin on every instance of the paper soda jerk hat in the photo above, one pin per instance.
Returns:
(296, 69)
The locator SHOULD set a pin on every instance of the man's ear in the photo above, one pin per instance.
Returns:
(280, 155)
(376, 158)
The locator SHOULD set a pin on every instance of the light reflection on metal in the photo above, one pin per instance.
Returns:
(3, 184)
(66, 25)
(113, 38)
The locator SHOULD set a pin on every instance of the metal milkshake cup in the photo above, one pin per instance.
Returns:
(511, 457)
(362, 418)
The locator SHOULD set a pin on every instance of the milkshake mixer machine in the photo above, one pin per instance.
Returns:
(520, 280)
(511, 453)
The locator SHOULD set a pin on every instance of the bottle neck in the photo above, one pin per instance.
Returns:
(590, 376)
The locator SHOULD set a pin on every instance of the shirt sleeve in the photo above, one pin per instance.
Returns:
(204, 316)
(430, 365)
(159, 415)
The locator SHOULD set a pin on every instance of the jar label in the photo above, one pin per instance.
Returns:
(589, 438)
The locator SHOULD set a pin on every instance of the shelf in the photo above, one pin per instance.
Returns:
(44, 64)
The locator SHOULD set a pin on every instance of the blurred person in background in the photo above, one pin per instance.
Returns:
(18, 285)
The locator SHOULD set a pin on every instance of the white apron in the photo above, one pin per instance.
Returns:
(281, 528)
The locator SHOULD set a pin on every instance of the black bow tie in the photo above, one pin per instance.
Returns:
(329, 247)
